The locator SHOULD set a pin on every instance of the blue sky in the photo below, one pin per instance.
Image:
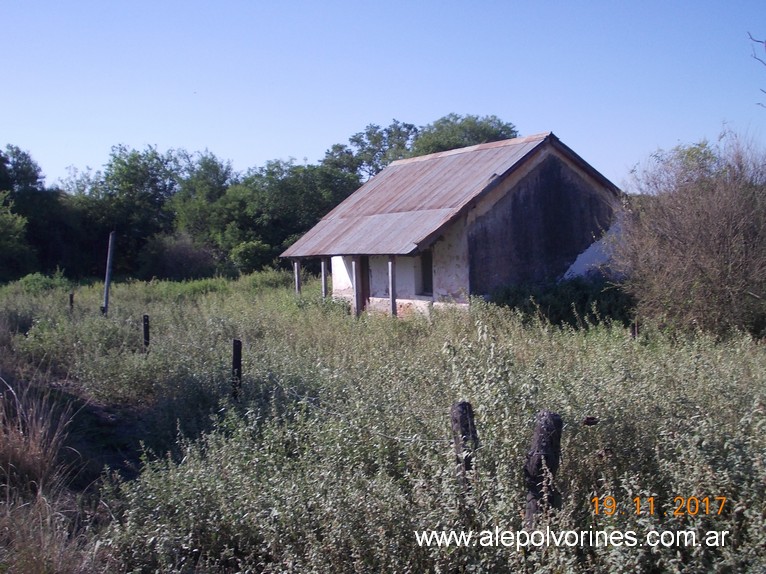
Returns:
(253, 81)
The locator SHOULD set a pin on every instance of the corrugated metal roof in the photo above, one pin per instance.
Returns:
(412, 199)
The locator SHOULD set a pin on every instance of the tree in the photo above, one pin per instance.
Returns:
(51, 225)
(19, 173)
(454, 131)
(204, 179)
(16, 257)
(371, 150)
(693, 248)
(259, 217)
(175, 257)
(131, 197)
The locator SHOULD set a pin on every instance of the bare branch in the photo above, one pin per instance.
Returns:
(761, 60)
(756, 57)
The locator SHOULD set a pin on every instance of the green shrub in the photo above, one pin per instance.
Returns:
(36, 283)
(573, 302)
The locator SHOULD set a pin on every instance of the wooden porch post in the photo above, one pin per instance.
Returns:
(297, 272)
(392, 283)
(357, 285)
(324, 278)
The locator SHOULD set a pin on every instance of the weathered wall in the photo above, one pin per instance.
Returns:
(450, 261)
(407, 276)
(533, 233)
(408, 282)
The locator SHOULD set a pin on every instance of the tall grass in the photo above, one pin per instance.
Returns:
(32, 435)
(40, 524)
(339, 447)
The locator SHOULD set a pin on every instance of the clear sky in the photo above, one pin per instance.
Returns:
(252, 81)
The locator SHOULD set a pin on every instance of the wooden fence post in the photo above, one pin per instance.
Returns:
(236, 368)
(542, 464)
(465, 437)
(146, 333)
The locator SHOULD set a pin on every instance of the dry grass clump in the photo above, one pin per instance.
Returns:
(39, 530)
(32, 434)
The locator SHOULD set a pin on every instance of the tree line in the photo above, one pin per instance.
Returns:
(183, 215)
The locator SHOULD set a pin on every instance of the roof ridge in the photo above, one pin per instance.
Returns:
(488, 145)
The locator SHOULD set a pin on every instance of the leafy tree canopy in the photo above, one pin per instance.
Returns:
(19, 173)
(454, 131)
(204, 179)
(369, 151)
(16, 257)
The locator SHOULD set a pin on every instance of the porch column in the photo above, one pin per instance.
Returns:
(297, 273)
(392, 283)
(357, 287)
(324, 278)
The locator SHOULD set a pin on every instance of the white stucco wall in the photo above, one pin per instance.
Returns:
(341, 277)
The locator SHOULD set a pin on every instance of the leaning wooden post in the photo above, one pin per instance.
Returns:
(108, 278)
(465, 438)
(542, 464)
(236, 368)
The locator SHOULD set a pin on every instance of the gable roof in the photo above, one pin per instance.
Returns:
(406, 205)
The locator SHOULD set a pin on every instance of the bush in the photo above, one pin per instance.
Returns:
(267, 279)
(572, 302)
(251, 256)
(694, 244)
(175, 257)
(36, 283)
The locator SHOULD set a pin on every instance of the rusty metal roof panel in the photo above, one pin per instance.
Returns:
(412, 199)
(437, 181)
(377, 234)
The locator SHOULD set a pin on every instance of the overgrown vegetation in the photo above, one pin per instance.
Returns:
(339, 448)
(693, 251)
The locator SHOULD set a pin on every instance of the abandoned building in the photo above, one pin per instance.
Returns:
(440, 228)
